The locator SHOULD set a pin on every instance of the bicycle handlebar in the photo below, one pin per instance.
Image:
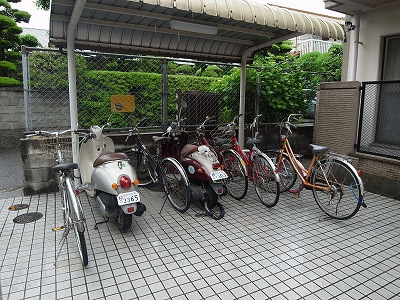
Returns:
(294, 116)
(201, 126)
(46, 133)
(253, 125)
(288, 125)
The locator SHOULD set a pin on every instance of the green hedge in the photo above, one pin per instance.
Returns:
(94, 99)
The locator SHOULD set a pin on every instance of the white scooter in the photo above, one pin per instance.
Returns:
(108, 176)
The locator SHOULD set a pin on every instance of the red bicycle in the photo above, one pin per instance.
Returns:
(244, 164)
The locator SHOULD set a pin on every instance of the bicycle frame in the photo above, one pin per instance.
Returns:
(303, 173)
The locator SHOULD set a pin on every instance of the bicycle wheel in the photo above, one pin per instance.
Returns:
(76, 220)
(267, 188)
(344, 198)
(237, 182)
(175, 185)
(144, 172)
(286, 172)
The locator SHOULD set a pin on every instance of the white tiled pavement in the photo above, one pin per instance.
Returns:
(291, 251)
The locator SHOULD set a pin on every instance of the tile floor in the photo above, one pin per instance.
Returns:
(291, 251)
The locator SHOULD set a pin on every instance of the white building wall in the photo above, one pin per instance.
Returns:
(373, 27)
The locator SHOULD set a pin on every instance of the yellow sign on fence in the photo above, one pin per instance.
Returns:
(127, 102)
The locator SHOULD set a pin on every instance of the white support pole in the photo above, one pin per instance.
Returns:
(242, 99)
(73, 103)
(355, 41)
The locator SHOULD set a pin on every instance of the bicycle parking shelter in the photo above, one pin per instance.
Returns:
(227, 31)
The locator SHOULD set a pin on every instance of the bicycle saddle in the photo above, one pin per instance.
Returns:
(251, 141)
(109, 157)
(318, 149)
(65, 166)
(220, 142)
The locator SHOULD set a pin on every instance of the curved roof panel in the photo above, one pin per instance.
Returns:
(220, 30)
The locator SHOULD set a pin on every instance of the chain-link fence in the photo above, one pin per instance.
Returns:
(147, 88)
(379, 120)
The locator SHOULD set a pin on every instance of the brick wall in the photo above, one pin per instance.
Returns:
(12, 116)
(336, 127)
(336, 116)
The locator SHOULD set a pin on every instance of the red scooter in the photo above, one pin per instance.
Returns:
(201, 166)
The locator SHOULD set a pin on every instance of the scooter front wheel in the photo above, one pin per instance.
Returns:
(175, 186)
(124, 220)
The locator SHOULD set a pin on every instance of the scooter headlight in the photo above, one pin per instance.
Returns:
(125, 182)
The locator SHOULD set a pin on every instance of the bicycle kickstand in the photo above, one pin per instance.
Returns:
(165, 200)
(63, 239)
(96, 226)
(297, 191)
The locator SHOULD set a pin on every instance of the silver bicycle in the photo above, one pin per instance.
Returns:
(74, 219)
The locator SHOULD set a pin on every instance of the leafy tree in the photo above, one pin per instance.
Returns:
(10, 41)
(212, 71)
(30, 41)
(288, 83)
(51, 70)
(43, 4)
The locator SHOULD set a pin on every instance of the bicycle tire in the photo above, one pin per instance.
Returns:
(285, 170)
(264, 180)
(75, 219)
(237, 182)
(144, 172)
(345, 197)
(175, 185)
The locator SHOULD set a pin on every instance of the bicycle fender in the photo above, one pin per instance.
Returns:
(277, 178)
(179, 167)
(354, 171)
(234, 153)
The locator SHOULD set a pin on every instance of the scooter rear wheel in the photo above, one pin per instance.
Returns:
(217, 212)
(124, 220)
(212, 207)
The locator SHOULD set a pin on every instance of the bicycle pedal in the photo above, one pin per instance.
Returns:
(57, 228)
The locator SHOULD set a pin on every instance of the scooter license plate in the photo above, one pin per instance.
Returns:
(218, 175)
(128, 198)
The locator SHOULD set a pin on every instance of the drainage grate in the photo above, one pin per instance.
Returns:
(18, 206)
(28, 217)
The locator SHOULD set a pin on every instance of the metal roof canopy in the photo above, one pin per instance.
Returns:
(217, 30)
(213, 30)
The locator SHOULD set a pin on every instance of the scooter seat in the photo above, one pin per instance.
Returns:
(109, 157)
(188, 149)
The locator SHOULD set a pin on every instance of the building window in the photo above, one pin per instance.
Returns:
(391, 59)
